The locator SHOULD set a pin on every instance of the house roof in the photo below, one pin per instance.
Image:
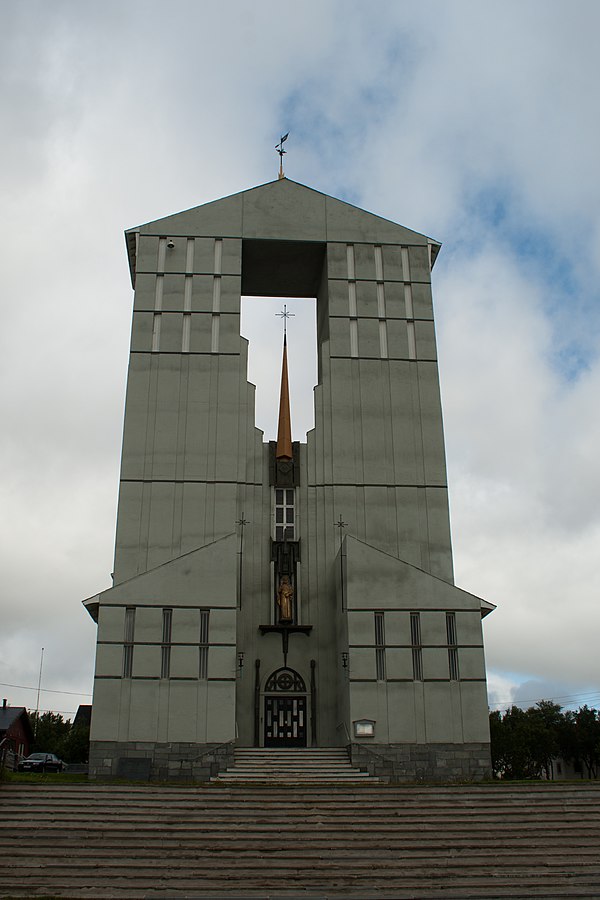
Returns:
(277, 208)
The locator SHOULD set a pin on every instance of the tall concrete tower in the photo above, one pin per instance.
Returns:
(283, 593)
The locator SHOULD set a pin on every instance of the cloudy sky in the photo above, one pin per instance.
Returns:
(470, 121)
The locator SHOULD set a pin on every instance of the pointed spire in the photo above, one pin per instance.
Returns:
(284, 428)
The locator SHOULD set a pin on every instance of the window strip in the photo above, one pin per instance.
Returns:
(405, 263)
(412, 340)
(203, 644)
(380, 646)
(187, 330)
(162, 252)
(156, 332)
(350, 261)
(214, 340)
(189, 255)
(187, 293)
(218, 255)
(378, 263)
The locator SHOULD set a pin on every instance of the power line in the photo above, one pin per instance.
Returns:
(25, 687)
(592, 695)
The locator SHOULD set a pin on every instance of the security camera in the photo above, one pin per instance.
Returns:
(170, 243)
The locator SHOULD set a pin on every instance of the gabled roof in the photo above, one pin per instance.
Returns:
(279, 210)
(10, 714)
(209, 565)
(400, 579)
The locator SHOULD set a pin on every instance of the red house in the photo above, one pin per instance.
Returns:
(16, 734)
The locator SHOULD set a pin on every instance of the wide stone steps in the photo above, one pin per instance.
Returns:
(269, 842)
(292, 766)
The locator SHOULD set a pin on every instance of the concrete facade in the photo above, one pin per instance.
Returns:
(380, 633)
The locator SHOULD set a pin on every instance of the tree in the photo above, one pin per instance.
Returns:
(545, 724)
(580, 739)
(524, 742)
(53, 734)
(49, 732)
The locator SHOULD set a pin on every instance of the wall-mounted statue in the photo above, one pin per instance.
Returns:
(285, 594)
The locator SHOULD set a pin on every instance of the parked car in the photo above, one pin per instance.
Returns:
(41, 762)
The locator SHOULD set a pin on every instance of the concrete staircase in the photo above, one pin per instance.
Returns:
(269, 843)
(292, 766)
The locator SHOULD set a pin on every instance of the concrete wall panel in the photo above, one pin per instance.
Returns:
(148, 623)
(435, 662)
(185, 626)
(221, 704)
(362, 662)
(146, 661)
(401, 713)
(221, 662)
(111, 623)
(184, 662)
(109, 660)
(471, 663)
(399, 662)
(143, 711)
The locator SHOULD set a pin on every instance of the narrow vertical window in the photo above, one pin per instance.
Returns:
(187, 293)
(383, 347)
(128, 641)
(415, 640)
(412, 340)
(187, 330)
(165, 661)
(156, 333)
(203, 653)
(452, 646)
(408, 301)
(158, 304)
(352, 307)
(380, 646)
(285, 514)
(158, 293)
(354, 337)
(405, 265)
(216, 294)
(378, 263)
(350, 261)
(162, 252)
(352, 310)
(218, 255)
(380, 300)
(189, 255)
(214, 340)
(187, 298)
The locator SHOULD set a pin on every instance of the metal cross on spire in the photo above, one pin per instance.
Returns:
(285, 315)
(281, 151)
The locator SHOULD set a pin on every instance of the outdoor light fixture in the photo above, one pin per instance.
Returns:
(345, 660)
(170, 243)
(364, 728)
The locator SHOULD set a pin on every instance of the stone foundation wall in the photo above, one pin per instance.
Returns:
(148, 761)
(424, 762)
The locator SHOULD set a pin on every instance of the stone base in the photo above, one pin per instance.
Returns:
(149, 761)
(423, 762)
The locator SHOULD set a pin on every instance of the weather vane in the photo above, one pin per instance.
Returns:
(285, 315)
(281, 151)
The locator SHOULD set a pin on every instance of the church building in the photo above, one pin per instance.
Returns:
(274, 593)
